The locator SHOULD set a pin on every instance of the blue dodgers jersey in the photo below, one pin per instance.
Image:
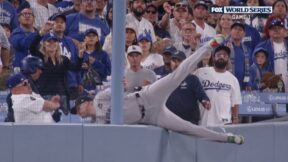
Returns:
(77, 24)
(8, 14)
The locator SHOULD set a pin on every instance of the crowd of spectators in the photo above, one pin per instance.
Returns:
(72, 40)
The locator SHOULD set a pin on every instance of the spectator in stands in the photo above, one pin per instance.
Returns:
(222, 89)
(131, 36)
(259, 68)
(241, 57)
(151, 14)
(42, 11)
(207, 61)
(8, 30)
(137, 76)
(277, 48)
(4, 51)
(74, 9)
(78, 23)
(224, 25)
(173, 25)
(222, 2)
(184, 99)
(190, 39)
(95, 58)
(166, 68)
(100, 6)
(149, 60)
(8, 14)
(28, 106)
(31, 68)
(136, 18)
(257, 21)
(53, 79)
(69, 49)
(206, 31)
(109, 16)
(280, 9)
(21, 38)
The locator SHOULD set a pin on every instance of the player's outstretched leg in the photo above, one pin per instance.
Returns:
(162, 88)
(166, 119)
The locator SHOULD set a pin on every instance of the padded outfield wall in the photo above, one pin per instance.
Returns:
(265, 142)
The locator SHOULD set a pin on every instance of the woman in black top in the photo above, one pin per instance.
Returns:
(53, 79)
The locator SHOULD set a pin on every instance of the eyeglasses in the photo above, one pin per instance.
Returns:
(150, 11)
(27, 14)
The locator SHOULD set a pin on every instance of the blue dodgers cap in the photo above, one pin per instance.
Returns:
(15, 80)
(50, 36)
(238, 23)
(91, 30)
(179, 55)
(169, 49)
(222, 47)
(276, 22)
(55, 16)
(144, 36)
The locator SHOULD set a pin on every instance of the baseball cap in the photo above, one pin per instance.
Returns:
(78, 102)
(50, 36)
(91, 30)
(238, 23)
(169, 49)
(276, 22)
(201, 3)
(222, 47)
(131, 26)
(15, 80)
(53, 17)
(134, 49)
(144, 36)
(179, 55)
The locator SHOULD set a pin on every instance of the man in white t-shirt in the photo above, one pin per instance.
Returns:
(28, 106)
(137, 76)
(222, 88)
(277, 48)
(206, 31)
(136, 18)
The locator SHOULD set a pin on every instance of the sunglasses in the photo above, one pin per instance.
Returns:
(179, 5)
(150, 11)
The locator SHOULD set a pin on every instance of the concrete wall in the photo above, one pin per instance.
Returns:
(265, 142)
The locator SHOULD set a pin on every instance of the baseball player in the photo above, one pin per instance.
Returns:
(147, 106)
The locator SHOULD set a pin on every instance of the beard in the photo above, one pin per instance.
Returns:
(221, 64)
(138, 12)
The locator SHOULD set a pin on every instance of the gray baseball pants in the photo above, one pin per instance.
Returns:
(154, 97)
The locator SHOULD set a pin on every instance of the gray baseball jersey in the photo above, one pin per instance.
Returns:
(148, 105)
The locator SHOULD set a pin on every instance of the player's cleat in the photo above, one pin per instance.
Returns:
(237, 139)
(216, 41)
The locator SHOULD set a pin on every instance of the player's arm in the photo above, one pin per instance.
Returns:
(235, 114)
(52, 104)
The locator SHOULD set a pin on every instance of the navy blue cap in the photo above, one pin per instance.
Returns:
(201, 3)
(50, 36)
(260, 49)
(145, 36)
(55, 16)
(238, 23)
(15, 80)
(276, 22)
(170, 49)
(222, 47)
(91, 30)
(179, 55)
(79, 101)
